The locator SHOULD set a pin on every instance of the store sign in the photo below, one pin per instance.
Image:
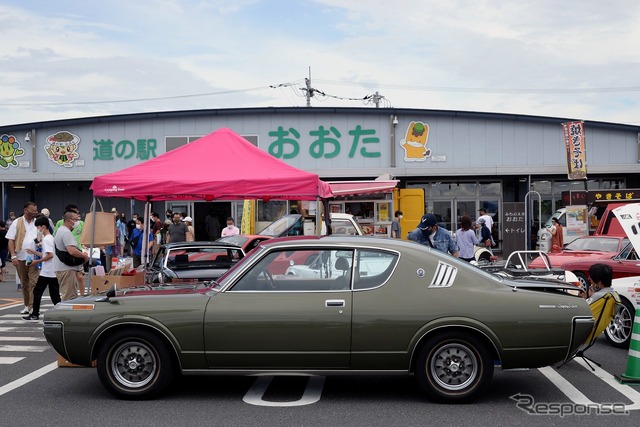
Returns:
(624, 195)
(143, 149)
(62, 148)
(576, 155)
(10, 149)
(327, 143)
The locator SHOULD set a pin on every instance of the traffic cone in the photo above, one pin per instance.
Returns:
(632, 374)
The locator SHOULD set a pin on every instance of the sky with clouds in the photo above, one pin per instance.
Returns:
(70, 58)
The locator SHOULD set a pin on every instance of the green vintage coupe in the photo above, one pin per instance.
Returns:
(371, 305)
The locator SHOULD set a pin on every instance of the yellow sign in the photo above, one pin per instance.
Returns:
(576, 150)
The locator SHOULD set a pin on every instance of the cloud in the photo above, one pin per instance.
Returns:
(514, 57)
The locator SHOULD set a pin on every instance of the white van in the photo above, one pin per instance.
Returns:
(297, 225)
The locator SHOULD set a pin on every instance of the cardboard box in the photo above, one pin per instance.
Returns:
(64, 363)
(103, 283)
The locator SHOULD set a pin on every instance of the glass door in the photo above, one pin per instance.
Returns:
(442, 210)
(464, 207)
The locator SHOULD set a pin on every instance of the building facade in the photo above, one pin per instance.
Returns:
(462, 160)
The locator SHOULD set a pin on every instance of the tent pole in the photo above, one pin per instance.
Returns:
(145, 234)
(93, 234)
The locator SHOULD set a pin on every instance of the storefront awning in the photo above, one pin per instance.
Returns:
(350, 188)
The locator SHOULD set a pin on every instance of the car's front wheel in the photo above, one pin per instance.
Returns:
(454, 367)
(618, 332)
(135, 364)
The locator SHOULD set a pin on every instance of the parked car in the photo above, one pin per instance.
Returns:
(244, 241)
(426, 313)
(618, 332)
(193, 261)
(293, 225)
(585, 251)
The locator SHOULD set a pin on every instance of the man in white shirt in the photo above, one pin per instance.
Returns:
(230, 229)
(488, 220)
(21, 236)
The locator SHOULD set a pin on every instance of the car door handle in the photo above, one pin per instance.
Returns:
(334, 303)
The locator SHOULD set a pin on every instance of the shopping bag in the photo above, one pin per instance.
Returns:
(105, 228)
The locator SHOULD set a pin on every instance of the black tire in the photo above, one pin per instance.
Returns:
(135, 364)
(584, 281)
(453, 367)
(618, 332)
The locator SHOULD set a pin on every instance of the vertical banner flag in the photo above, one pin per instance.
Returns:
(576, 150)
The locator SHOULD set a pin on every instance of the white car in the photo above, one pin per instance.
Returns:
(618, 332)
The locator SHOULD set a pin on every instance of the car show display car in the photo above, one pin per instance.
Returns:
(192, 261)
(384, 306)
(619, 331)
(585, 251)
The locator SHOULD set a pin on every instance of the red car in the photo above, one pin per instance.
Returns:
(245, 241)
(583, 252)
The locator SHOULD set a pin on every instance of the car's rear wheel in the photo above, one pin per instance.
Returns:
(618, 332)
(135, 364)
(584, 281)
(454, 367)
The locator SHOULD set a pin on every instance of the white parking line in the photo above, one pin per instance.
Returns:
(9, 360)
(26, 348)
(19, 329)
(28, 378)
(22, 339)
(576, 395)
(311, 394)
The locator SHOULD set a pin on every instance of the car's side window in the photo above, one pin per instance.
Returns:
(312, 269)
(374, 267)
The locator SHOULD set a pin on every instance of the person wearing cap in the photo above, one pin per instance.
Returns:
(46, 213)
(189, 221)
(485, 234)
(430, 234)
(488, 219)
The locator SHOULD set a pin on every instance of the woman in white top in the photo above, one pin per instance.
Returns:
(466, 239)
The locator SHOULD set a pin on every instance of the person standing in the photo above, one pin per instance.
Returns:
(557, 238)
(122, 226)
(177, 230)
(47, 274)
(46, 213)
(190, 233)
(12, 217)
(485, 234)
(21, 236)
(428, 233)
(136, 242)
(466, 239)
(64, 241)
(212, 225)
(131, 225)
(488, 219)
(396, 230)
(231, 228)
(4, 249)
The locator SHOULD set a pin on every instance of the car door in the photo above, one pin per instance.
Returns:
(626, 264)
(282, 321)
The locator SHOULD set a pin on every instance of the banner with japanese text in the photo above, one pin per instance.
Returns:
(576, 150)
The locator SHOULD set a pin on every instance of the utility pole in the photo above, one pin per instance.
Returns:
(308, 90)
(376, 99)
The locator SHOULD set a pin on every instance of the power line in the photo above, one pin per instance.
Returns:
(485, 90)
(119, 101)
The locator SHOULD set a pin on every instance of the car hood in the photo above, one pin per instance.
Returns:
(557, 260)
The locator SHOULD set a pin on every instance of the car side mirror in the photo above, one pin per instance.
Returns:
(110, 294)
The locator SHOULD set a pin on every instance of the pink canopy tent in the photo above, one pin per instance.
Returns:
(218, 166)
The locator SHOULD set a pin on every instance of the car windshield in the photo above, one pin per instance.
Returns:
(601, 244)
(281, 227)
